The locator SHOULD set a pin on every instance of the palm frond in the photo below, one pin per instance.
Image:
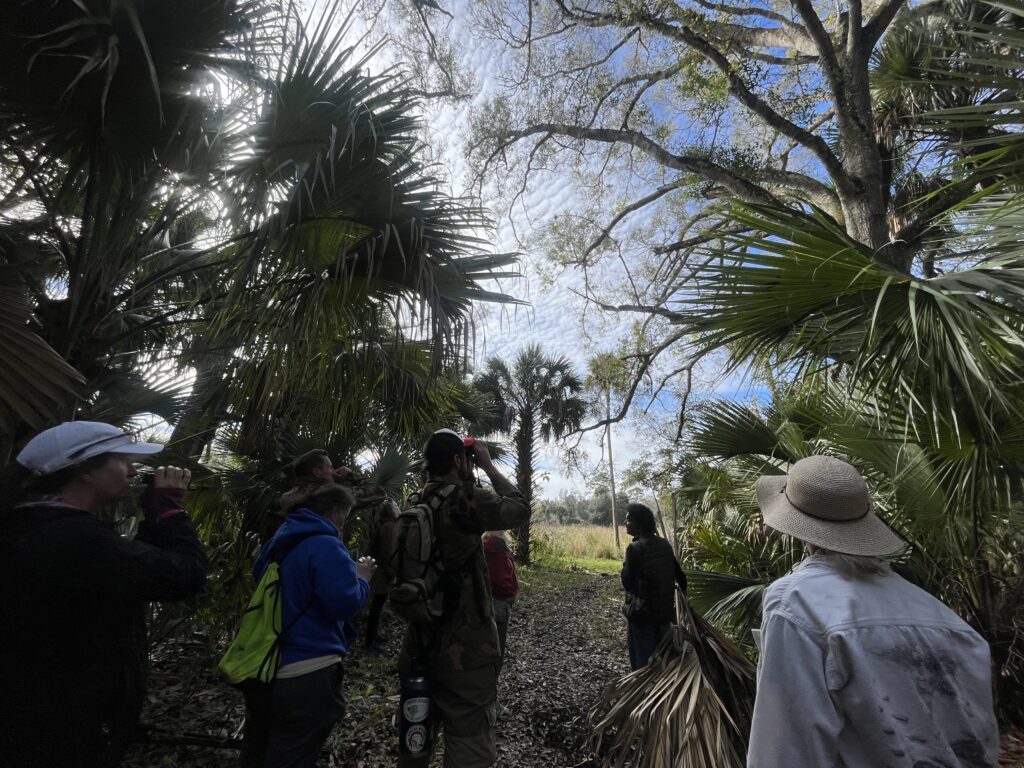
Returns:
(36, 384)
(803, 293)
(393, 470)
(691, 705)
(731, 602)
(724, 428)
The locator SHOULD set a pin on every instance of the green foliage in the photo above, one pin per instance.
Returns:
(212, 212)
(953, 495)
(536, 399)
(224, 186)
(802, 293)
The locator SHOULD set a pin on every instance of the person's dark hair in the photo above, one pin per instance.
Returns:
(18, 484)
(440, 451)
(329, 497)
(304, 465)
(643, 518)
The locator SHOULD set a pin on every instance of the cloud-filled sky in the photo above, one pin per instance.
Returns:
(553, 317)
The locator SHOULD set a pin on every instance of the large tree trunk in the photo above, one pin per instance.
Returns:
(865, 196)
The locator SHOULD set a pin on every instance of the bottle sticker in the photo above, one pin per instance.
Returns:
(416, 709)
(416, 739)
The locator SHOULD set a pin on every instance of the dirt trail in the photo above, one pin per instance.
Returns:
(566, 641)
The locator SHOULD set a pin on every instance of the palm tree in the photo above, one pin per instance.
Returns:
(536, 399)
(105, 111)
(218, 187)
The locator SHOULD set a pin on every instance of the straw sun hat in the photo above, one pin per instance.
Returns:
(824, 501)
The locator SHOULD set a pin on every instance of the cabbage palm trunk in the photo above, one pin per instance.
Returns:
(611, 464)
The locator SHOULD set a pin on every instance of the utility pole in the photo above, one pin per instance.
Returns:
(611, 464)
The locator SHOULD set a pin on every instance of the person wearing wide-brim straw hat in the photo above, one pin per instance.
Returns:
(857, 666)
(825, 502)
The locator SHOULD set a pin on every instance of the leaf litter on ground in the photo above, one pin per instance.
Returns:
(566, 646)
(566, 642)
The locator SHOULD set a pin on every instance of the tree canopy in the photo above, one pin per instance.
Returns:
(213, 212)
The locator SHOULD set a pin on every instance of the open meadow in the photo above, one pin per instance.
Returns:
(591, 547)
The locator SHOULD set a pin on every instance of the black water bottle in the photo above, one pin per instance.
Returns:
(415, 737)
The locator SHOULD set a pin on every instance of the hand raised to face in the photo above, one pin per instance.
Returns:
(171, 478)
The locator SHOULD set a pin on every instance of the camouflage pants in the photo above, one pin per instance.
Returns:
(464, 708)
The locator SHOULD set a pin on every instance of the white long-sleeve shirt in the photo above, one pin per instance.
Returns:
(871, 672)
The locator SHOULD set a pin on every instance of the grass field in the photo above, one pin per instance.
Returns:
(586, 546)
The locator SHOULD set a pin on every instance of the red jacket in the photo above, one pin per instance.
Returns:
(504, 584)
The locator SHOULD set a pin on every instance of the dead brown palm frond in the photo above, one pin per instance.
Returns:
(690, 707)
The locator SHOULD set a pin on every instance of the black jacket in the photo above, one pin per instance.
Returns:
(73, 648)
(651, 573)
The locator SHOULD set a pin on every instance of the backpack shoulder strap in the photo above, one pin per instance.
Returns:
(440, 495)
(437, 500)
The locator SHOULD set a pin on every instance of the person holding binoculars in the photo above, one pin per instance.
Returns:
(458, 654)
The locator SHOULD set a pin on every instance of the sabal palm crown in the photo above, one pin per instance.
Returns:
(218, 184)
(922, 341)
(536, 399)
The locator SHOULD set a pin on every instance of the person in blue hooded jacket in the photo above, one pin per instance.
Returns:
(288, 720)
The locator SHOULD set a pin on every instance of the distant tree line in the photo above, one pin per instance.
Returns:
(572, 508)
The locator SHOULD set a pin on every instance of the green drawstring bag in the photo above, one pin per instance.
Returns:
(255, 653)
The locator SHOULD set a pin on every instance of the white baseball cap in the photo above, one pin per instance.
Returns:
(73, 442)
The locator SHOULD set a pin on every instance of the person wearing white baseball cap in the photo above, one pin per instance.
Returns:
(73, 650)
(858, 667)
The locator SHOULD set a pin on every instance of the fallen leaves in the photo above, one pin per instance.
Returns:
(566, 644)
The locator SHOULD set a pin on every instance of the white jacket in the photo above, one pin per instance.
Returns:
(869, 672)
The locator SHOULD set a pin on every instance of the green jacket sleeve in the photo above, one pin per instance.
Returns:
(501, 508)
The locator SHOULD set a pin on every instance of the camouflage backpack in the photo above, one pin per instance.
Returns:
(416, 559)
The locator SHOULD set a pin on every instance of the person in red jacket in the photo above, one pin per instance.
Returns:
(504, 584)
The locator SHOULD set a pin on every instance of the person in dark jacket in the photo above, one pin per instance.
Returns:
(73, 649)
(650, 574)
(289, 719)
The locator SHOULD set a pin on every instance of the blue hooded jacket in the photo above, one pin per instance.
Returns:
(319, 576)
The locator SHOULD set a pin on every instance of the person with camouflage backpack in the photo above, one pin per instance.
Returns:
(458, 652)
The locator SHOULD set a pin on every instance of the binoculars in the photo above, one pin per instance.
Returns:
(468, 443)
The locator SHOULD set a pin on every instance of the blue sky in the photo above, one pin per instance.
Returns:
(555, 316)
